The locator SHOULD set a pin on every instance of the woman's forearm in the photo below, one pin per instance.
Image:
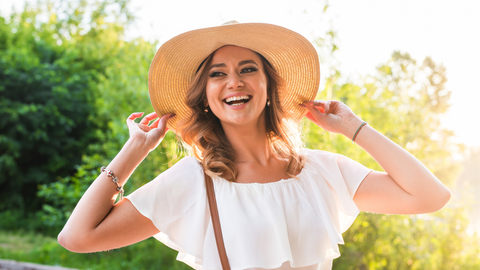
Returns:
(407, 171)
(99, 198)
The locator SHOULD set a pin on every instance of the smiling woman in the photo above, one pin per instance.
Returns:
(235, 94)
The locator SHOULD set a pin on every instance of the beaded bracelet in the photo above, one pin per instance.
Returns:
(356, 132)
(114, 180)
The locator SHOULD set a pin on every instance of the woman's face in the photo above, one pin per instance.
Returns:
(236, 86)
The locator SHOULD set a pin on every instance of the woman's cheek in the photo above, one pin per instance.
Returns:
(213, 95)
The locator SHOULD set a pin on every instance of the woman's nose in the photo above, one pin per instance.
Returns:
(234, 81)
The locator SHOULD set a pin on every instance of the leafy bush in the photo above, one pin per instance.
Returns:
(46, 110)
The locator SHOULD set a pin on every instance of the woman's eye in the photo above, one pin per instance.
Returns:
(216, 74)
(249, 69)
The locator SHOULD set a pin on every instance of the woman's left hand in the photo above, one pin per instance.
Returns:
(333, 116)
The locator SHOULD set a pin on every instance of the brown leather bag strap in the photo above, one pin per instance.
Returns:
(212, 203)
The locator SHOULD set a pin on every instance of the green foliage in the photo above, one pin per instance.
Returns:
(30, 247)
(46, 109)
(63, 195)
(433, 241)
(14, 219)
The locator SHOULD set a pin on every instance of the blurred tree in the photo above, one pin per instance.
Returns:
(404, 101)
(46, 109)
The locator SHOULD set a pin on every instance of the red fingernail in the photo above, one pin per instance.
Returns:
(302, 105)
(171, 116)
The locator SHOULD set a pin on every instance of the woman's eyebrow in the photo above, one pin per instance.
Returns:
(239, 63)
(218, 65)
(247, 62)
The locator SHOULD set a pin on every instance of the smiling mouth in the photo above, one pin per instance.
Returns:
(237, 100)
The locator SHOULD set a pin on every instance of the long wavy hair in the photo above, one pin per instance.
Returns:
(203, 135)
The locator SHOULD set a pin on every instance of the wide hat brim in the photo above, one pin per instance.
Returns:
(177, 60)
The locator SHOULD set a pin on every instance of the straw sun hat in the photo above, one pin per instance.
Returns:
(177, 60)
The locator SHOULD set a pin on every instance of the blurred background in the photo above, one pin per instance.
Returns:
(72, 71)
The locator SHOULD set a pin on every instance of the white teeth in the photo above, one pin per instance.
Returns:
(230, 99)
(237, 104)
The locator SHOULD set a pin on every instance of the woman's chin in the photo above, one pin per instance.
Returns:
(241, 120)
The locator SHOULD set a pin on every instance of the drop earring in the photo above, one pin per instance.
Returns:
(206, 110)
(268, 102)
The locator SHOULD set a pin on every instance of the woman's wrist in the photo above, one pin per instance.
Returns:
(136, 148)
(351, 127)
(127, 160)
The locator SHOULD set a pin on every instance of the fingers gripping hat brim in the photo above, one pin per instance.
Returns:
(177, 60)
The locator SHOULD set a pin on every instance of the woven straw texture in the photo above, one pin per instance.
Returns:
(176, 61)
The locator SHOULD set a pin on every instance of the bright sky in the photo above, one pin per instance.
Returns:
(369, 31)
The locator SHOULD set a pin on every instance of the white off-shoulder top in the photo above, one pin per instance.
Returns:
(288, 224)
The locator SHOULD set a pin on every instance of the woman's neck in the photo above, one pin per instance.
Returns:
(249, 143)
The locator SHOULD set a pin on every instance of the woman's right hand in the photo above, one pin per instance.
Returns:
(148, 136)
